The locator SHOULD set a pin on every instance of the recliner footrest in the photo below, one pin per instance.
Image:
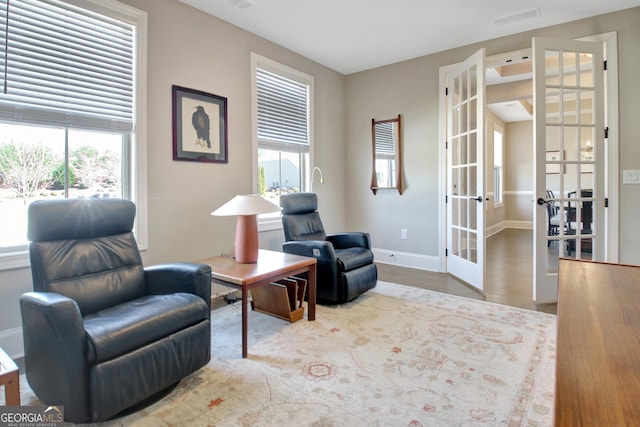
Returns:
(353, 258)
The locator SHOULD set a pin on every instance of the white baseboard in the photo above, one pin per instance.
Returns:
(11, 342)
(523, 225)
(495, 229)
(406, 259)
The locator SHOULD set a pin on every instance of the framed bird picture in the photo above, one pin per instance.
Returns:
(199, 126)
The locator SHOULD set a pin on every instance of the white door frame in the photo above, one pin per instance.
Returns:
(610, 41)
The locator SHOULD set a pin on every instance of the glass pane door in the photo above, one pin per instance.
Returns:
(569, 135)
(465, 171)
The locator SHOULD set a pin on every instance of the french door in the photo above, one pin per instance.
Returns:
(569, 158)
(465, 170)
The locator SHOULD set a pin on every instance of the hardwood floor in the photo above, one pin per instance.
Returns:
(509, 275)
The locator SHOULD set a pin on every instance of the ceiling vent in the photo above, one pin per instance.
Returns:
(518, 17)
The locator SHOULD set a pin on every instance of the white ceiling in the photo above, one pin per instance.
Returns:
(355, 35)
(512, 111)
(349, 36)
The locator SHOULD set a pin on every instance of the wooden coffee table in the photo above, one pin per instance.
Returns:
(271, 266)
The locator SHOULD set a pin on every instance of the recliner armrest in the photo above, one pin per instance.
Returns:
(53, 315)
(327, 266)
(350, 240)
(319, 249)
(54, 348)
(180, 277)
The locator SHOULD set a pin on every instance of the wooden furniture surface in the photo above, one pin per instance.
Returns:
(270, 267)
(598, 346)
(9, 377)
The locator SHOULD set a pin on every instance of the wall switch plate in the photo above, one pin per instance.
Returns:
(403, 234)
(631, 177)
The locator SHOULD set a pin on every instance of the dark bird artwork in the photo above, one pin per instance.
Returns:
(200, 121)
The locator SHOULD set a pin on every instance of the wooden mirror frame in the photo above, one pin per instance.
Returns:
(398, 185)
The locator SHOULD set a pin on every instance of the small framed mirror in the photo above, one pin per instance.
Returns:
(386, 137)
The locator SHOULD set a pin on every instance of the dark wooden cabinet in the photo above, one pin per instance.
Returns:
(598, 344)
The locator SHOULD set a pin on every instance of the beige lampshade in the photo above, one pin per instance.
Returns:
(246, 204)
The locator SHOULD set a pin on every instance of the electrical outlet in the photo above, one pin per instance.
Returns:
(403, 234)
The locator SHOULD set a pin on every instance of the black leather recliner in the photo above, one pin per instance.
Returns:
(345, 261)
(101, 332)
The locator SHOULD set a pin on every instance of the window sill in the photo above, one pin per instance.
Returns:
(269, 225)
(14, 260)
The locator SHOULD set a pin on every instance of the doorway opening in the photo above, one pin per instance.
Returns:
(509, 99)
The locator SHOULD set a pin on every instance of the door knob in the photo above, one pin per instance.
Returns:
(477, 198)
(542, 201)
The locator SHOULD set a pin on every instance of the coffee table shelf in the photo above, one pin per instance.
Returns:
(271, 267)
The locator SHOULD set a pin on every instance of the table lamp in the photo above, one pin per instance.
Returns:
(246, 207)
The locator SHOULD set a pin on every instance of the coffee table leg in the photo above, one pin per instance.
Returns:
(245, 320)
(312, 292)
(12, 390)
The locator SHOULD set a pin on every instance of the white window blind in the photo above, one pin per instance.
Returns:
(65, 66)
(385, 146)
(282, 112)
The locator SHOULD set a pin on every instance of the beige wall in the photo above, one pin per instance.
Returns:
(193, 49)
(494, 215)
(189, 48)
(410, 88)
(519, 173)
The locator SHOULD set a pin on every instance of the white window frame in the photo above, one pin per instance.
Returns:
(272, 222)
(138, 153)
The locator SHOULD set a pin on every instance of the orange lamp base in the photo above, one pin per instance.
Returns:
(247, 239)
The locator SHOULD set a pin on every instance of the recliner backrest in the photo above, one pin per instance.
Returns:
(85, 249)
(300, 218)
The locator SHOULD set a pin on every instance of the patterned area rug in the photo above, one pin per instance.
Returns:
(397, 356)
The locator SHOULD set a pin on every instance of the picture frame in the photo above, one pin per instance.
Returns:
(199, 121)
(553, 168)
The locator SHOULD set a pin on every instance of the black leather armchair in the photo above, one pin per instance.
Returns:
(345, 261)
(101, 332)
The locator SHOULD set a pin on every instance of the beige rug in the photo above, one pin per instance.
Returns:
(397, 356)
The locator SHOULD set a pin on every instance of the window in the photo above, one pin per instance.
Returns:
(498, 179)
(69, 102)
(283, 129)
